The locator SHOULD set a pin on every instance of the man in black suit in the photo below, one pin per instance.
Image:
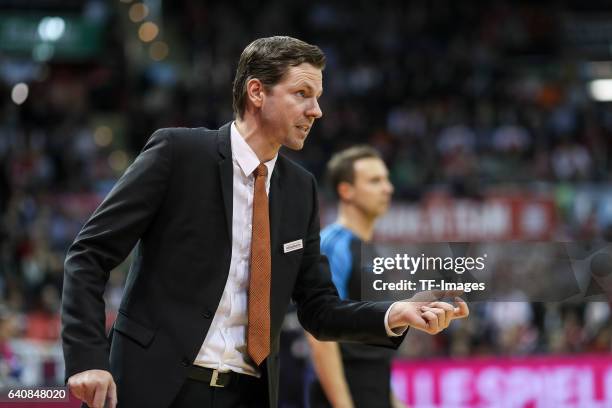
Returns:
(215, 268)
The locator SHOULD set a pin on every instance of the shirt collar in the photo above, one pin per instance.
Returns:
(245, 156)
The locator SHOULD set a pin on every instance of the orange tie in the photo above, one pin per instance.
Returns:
(258, 332)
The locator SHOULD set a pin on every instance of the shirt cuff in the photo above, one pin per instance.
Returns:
(398, 331)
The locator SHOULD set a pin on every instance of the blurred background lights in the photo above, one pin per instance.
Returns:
(148, 31)
(601, 90)
(19, 93)
(158, 51)
(51, 28)
(103, 136)
(43, 52)
(138, 12)
(118, 160)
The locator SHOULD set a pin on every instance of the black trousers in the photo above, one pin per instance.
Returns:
(369, 383)
(246, 392)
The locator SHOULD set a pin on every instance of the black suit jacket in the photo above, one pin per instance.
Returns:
(175, 204)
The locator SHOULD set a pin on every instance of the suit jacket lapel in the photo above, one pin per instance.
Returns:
(226, 173)
(276, 206)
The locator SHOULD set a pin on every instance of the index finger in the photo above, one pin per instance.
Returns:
(462, 310)
(442, 305)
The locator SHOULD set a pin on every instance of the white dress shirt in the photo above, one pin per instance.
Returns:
(225, 347)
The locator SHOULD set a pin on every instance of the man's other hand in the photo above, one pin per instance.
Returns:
(94, 387)
(424, 311)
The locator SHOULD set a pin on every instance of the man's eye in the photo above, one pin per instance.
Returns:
(302, 93)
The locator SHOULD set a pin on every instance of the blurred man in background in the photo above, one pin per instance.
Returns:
(352, 375)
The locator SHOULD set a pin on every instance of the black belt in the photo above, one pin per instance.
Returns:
(215, 378)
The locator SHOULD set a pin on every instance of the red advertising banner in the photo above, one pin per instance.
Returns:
(495, 218)
(582, 381)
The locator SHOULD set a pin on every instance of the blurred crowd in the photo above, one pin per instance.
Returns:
(453, 94)
(463, 97)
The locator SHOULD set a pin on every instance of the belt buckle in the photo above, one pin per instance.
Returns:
(214, 378)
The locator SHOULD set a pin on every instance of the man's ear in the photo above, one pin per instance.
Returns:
(345, 191)
(255, 92)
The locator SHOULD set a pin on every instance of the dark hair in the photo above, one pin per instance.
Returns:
(268, 59)
(341, 167)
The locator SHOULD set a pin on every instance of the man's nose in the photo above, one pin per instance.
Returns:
(389, 187)
(315, 110)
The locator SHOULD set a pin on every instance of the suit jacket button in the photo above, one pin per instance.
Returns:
(185, 362)
(208, 314)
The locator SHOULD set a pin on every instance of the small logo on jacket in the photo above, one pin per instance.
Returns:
(293, 246)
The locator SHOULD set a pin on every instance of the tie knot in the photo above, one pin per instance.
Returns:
(261, 170)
